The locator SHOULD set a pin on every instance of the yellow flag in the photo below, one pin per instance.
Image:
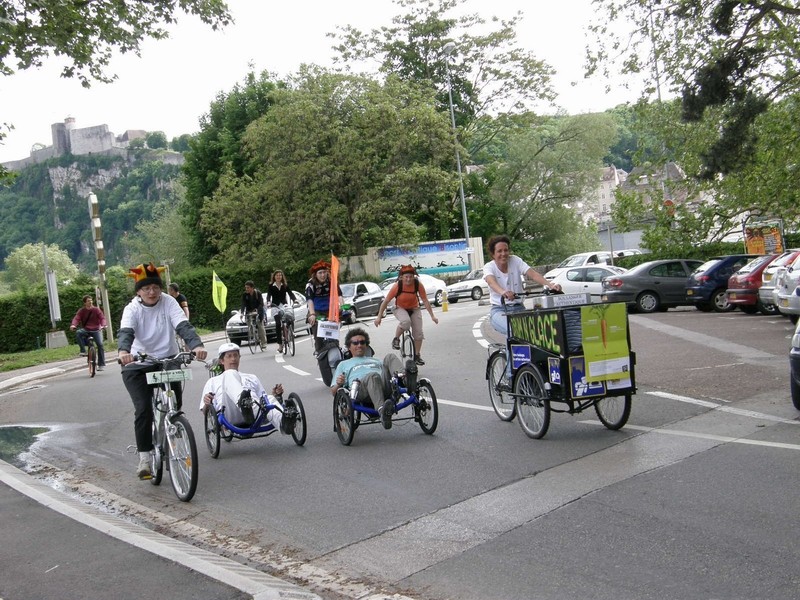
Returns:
(219, 292)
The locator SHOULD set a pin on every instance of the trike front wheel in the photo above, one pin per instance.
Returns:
(613, 411)
(533, 408)
(212, 432)
(299, 431)
(427, 408)
(502, 402)
(182, 458)
(344, 421)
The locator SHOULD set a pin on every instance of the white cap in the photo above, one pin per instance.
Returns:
(228, 347)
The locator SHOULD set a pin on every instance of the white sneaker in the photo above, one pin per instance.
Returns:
(101, 367)
(143, 471)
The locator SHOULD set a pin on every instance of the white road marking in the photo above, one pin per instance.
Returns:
(464, 405)
(728, 409)
(296, 371)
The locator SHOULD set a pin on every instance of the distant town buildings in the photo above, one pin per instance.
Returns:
(69, 139)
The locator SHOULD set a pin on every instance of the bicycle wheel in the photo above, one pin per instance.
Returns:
(252, 336)
(407, 345)
(533, 409)
(343, 420)
(182, 458)
(427, 411)
(502, 402)
(613, 411)
(299, 432)
(157, 457)
(91, 359)
(212, 432)
(288, 341)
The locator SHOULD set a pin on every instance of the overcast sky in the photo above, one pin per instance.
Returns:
(175, 80)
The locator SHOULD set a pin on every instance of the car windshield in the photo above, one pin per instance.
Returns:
(706, 266)
(755, 263)
(348, 289)
(477, 274)
(572, 261)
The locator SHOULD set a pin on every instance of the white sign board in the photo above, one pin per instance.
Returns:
(328, 330)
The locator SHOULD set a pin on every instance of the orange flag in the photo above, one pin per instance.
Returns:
(333, 308)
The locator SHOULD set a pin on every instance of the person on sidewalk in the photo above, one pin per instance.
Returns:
(239, 394)
(149, 323)
(90, 321)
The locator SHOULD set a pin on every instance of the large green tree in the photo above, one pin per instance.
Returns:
(25, 266)
(339, 163)
(727, 59)
(489, 71)
(218, 148)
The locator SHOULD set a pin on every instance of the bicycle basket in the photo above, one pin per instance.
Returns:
(156, 377)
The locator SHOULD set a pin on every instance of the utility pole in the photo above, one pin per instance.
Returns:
(100, 253)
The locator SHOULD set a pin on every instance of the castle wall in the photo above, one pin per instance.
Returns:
(89, 140)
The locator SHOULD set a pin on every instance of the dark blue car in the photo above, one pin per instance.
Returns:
(706, 287)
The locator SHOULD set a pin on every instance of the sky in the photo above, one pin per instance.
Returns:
(174, 82)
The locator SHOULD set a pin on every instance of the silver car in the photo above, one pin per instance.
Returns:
(470, 286)
(766, 293)
(236, 330)
(787, 299)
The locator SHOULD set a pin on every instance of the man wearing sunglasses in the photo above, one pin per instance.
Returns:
(373, 374)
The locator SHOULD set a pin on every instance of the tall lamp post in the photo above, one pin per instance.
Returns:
(448, 49)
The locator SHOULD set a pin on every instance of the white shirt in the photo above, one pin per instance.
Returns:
(153, 326)
(512, 280)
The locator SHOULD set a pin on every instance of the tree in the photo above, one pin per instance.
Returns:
(339, 163)
(180, 143)
(25, 266)
(489, 72)
(728, 59)
(156, 140)
(218, 148)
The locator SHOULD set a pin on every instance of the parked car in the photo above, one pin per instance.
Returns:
(471, 286)
(651, 286)
(794, 368)
(786, 292)
(434, 287)
(236, 330)
(579, 260)
(766, 293)
(364, 297)
(586, 280)
(706, 287)
(743, 286)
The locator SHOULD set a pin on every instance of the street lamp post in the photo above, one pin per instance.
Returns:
(449, 48)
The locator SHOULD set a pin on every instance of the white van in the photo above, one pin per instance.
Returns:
(598, 257)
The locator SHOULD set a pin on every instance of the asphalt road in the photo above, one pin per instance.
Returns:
(694, 498)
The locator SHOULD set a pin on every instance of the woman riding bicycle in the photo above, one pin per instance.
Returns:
(408, 292)
(277, 293)
(504, 276)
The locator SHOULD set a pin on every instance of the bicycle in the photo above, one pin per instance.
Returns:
(253, 340)
(287, 330)
(407, 347)
(91, 351)
(173, 438)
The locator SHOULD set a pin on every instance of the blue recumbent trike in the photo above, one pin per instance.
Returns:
(218, 427)
(348, 414)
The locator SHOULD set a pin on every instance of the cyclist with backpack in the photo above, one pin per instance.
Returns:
(408, 293)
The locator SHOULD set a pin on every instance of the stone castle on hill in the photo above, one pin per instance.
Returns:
(69, 139)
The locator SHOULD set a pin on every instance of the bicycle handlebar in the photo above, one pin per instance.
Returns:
(545, 292)
(184, 358)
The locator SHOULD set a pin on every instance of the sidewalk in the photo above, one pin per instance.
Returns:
(10, 379)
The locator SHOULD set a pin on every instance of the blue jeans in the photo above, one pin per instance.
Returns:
(80, 337)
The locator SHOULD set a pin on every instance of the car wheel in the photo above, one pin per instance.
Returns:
(353, 315)
(647, 302)
(794, 318)
(767, 309)
(477, 293)
(703, 306)
(437, 299)
(719, 301)
(452, 300)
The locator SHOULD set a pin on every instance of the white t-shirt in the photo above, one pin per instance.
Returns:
(512, 280)
(153, 326)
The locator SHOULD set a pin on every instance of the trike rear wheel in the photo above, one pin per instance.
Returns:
(344, 421)
(428, 408)
(613, 411)
(212, 432)
(502, 402)
(533, 408)
(182, 458)
(299, 431)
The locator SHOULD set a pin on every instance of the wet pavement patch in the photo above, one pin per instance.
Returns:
(15, 440)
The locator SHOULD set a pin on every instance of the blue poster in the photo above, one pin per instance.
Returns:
(577, 376)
